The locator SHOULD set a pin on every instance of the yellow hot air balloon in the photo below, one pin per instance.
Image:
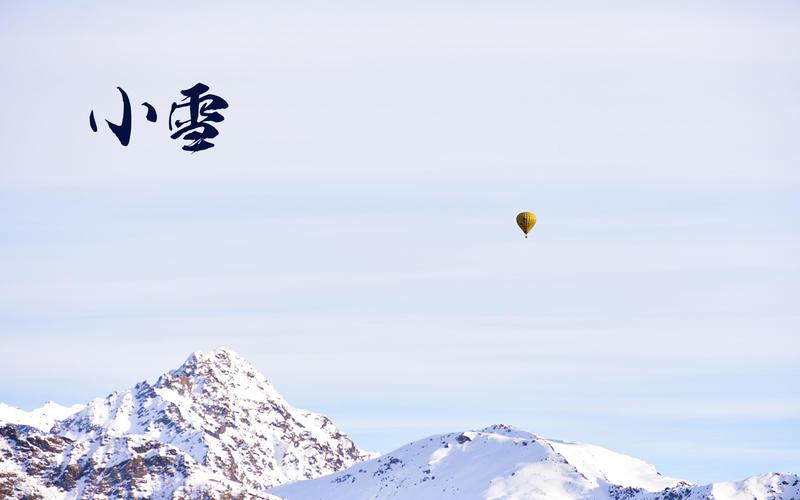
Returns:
(526, 221)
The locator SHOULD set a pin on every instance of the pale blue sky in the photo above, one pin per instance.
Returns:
(352, 234)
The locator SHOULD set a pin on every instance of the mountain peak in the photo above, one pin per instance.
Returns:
(220, 374)
(499, 461)
(215, 418)
(221, 357)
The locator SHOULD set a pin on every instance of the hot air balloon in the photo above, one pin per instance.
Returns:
(526, 221)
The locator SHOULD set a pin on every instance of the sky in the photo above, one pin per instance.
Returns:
(352, 232)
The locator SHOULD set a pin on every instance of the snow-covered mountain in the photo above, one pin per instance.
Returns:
(42, 418)
(213, 427)
(501, 462)
(216, 428)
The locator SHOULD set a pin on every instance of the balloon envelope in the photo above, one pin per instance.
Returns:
(526, 221)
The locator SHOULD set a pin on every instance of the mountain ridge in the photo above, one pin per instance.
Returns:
(501, 462)
(216, 428)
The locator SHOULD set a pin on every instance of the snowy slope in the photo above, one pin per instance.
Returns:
(772, 486)
(501, 462)
(215, 426)
(493, 463)
(42, 418)
(611, 467)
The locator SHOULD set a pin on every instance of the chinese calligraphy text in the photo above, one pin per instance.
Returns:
(202, 109)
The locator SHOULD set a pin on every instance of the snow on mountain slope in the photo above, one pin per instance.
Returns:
(215, 426)
(764, 487)
(26, 454)
(495, 463)
(501, 462)
(42, 418)
(614, 468)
